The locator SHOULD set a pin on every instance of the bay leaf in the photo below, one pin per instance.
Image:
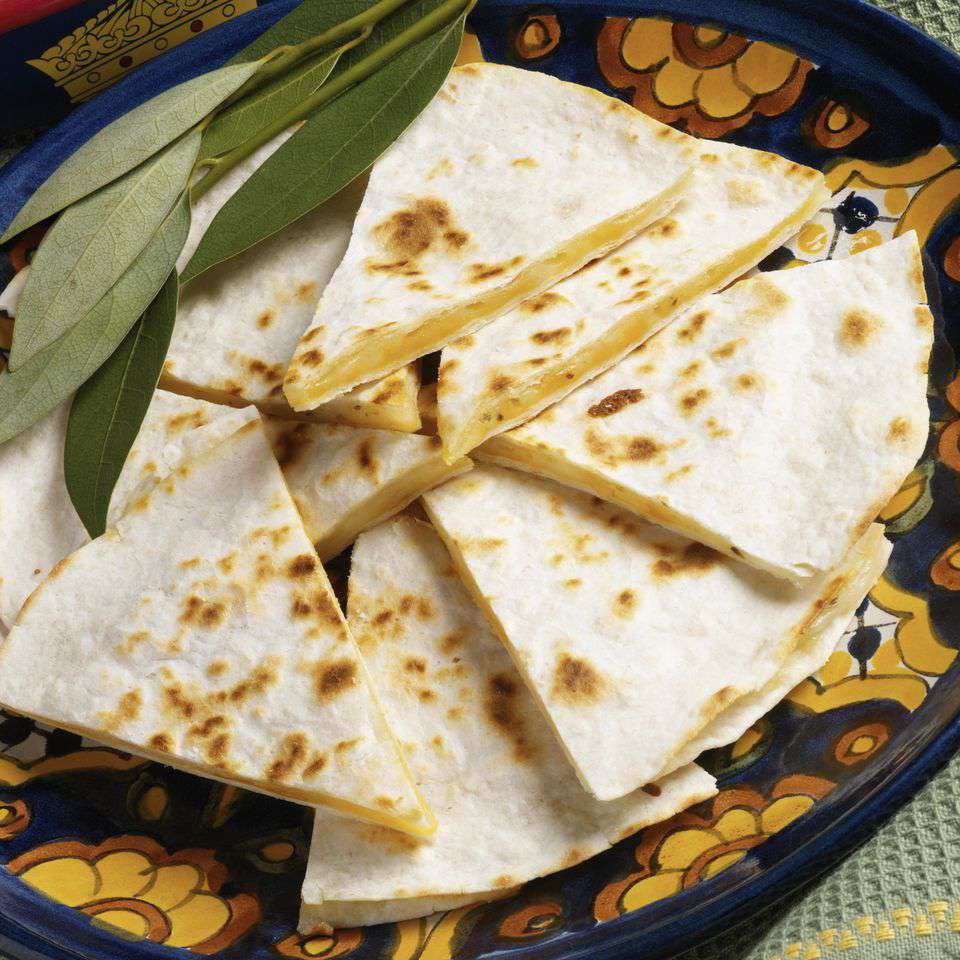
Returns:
(108, 410)
(56, 372)
(91, 245)
(238, 122)
(129, 141)
(337, 143)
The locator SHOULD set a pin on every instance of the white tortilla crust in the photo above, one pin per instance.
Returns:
(772, 421)
(603, 613)
(739, 206)
(201, 631)
(345, 480)
(468, 213)
(35, 509)
(239, 322)
(508, 804)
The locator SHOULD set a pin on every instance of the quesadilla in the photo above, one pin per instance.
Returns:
(344, 480)
(507, 182)
(35, 509)
(201, 631)
(772, 421)
(740, 205)
(644, 612)
(238, 324)
(476, 745)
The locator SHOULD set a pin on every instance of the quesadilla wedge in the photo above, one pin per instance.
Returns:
(35, 509)
(344, 480)
(238, 324)
(644, 613)
(772, 421)
(507, 182)
(476, 744)
(201, 631)
(740, 205)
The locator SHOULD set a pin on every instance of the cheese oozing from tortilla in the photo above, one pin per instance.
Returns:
(345, 480)
(467, 214)
(772, 421)
(645, 614)
(36, 513)
(739, 206)
(475, 743)
(239, 322)
(201, 631)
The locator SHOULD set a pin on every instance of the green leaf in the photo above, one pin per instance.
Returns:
(128, 141)
(109, 408)
(336, 144)
(93, 243)
(55, 373)
(238, 122)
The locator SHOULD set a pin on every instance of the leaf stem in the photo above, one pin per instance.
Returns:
(443, 15)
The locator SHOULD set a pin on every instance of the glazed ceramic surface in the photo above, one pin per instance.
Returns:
(98, 845)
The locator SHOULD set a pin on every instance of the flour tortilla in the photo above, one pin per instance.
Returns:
(238, 323)
(35, 509)
(741, 204)
(201, 631)
(508, 181)
(647, 617)
(344, 480)
(509, 806)
(773, 421)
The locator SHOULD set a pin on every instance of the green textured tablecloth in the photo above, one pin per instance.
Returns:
(898, 896)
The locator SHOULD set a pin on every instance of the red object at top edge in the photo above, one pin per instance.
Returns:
(17, 13)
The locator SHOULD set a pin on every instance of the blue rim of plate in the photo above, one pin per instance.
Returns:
(927, 74)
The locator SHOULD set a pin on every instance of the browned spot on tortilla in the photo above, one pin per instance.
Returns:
(455, 713)
(691, 329)
(478, 272)
(540, 303)
(768, 299)
(637, 297)
(217, 750)
(198, 612)
(207, 727)
(320, 605)
(388, 391)
(615, 402)
(693, 399)
(727, 350)
(693, 559)
(188, 420)
(301, 566)
(189, 564)
(306, 291)
(291, 754)
(572, 582)
(383, 838)
(415, 665)
(127, 710)
(345, 745)
(311, 358)
(333, 678)
(422, 285)
(747, 381)
(690, 370)
(443, 168)
(317, 762)
(365, 457)
(162, 742)
(217, 668)
(383, 617)
(524, 162)
(679, 472)
(270, 373)
(857, 326)
(615, 450)
(408, 233)
(504, 694)
(278, 536)
(256, 683)
(924, 318)
(500, 383)
(426, 696)
(551, 336)
(625, 604)
(899, 429)
(624, 272)
(663, 228)
(652, 789)
(175, 701)
(575, 681)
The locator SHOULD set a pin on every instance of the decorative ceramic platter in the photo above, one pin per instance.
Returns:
(99, 845)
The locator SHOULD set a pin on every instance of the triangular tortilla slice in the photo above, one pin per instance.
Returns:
(201, 631)
(509, 806)
(772, 421)
(741, 204)
(508, 181)
(345, 480)
(609, 617)
(36, 515)
(238, 324)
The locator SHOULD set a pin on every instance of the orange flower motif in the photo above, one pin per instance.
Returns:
(133, 886)
(533, 920)
(834, 124)
(678, 854)
(537, 36)
(703, 77)
(319, 946)
(14, 819)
